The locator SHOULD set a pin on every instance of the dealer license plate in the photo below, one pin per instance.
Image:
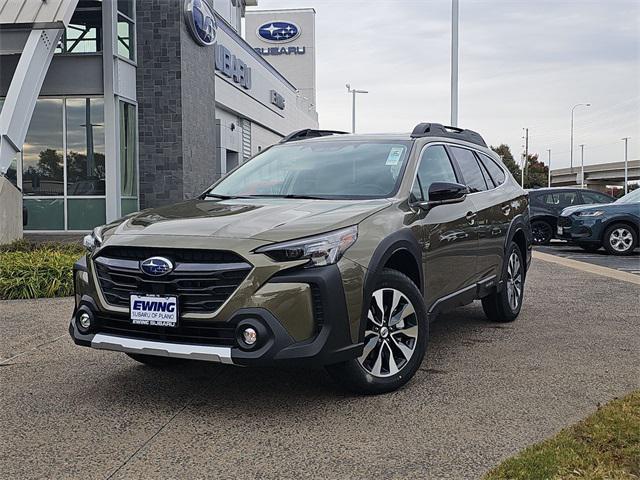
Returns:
(154, 310)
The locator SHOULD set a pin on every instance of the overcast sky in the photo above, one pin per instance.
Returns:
(523, 63)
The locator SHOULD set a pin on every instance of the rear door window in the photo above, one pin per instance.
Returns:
(471, 172)
(497, 174)
(594, 197)
(561, 199)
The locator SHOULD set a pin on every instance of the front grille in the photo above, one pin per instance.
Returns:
(187, 331)
(202, 279)
(564, 221)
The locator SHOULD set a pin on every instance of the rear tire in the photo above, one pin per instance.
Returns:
(505, 305)
(620, 239)
(396, 334)
(155, 362)
(542, 232)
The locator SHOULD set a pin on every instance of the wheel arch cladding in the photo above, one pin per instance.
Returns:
(628, 221)
(404, 262)
(400, 250)
(520, 240)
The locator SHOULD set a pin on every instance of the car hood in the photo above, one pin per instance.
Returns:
(605, 207)
(592, 206)
(260, 219)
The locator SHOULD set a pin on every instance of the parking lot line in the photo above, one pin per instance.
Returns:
(588, 267)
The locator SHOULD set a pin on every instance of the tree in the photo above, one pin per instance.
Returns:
(536, 173)
(507, 158)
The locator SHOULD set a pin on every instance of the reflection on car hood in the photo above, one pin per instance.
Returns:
(592, 206)
(274, 219)
(612, 208)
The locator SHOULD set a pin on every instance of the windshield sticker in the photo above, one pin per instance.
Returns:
(394, 155)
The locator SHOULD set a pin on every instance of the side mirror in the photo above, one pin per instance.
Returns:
(443, 193)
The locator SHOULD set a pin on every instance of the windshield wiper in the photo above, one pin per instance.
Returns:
(223, 197)
(293, 195)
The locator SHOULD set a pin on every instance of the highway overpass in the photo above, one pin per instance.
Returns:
(597, 176)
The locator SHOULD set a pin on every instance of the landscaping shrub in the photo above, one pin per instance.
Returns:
(29, 270)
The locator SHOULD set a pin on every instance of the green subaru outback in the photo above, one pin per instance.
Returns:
(326, 249)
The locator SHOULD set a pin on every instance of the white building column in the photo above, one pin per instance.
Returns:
(111, 112)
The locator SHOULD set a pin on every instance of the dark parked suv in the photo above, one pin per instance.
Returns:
(614, 226)
(546, 205)
(326, 249)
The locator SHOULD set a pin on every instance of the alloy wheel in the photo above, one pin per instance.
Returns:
(621, 239)
(514, 281)
(391, 334)
(541, 233)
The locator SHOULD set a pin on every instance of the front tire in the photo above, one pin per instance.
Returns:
(542, 232)
(395, 338)
(620, 239)
(505, 305)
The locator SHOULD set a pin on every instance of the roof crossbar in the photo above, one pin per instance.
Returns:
(309, 133)
(439, 130)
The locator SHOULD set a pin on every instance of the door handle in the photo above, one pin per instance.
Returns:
(471, 217)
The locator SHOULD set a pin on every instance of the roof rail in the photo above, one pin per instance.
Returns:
(309, 133)
(439, 130)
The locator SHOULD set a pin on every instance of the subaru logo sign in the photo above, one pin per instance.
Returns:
(278, 32)
(201, 21)
(156, 266)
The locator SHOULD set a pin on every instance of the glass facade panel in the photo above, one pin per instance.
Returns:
(128, 155)
(129, 205)
(126, 38)
(84, 32)
(85, 213)
(42, 157)
(85, 146)
(44, 213)
(126, 7)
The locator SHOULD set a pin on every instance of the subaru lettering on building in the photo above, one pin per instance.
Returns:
(232, 67)
(279, 32)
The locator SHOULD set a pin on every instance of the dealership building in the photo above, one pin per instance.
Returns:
(145, 102)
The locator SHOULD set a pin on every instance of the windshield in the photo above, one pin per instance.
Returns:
(631, 197)
(323, 169)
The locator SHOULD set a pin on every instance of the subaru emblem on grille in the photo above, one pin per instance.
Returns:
(156, 266)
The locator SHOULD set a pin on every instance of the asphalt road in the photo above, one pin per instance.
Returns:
(485, 392)
(630, 263)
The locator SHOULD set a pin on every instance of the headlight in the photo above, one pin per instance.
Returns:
(595, 213)
(93, 240)
(320, 250)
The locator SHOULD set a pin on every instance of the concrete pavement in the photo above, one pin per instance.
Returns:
(484, 392)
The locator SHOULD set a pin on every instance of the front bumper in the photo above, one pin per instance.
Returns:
(578, 230)
(331, 341)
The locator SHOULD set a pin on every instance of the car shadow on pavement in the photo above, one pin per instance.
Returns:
(451, 334)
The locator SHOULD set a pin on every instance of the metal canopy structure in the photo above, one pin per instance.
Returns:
(45, 20)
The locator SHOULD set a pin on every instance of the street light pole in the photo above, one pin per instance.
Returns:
(454, 62)
(574, 107)
(626, 164)
(549, 166)
(582, 166)
(353, 92)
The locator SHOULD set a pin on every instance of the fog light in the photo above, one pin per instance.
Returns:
(84, 320)
(250, 336)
